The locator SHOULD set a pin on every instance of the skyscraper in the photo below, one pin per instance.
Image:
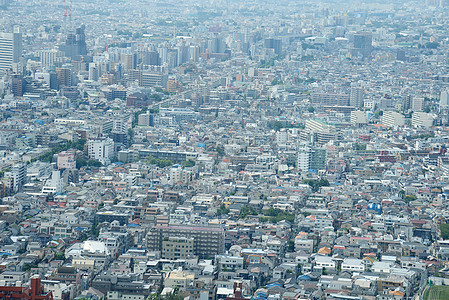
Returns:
(10, 49)
(362, 44)
(356, 97)
(75, 45)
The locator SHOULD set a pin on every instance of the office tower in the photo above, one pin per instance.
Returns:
(10, 49)
(356, 97)
(207, 241)
(183, 54)
(216, 45)
(64, 77)
(274, 44)
(75, 45)
(128, 61)
(17, 85)
(93, 72)
(362, 44)
(49, 57)
(194, 53)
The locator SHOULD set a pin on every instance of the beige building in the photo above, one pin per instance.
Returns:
(179, 278)
(177, 247)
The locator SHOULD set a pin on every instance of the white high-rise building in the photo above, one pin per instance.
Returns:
(49, 57)
(303, 157)
(444, 99)
(10, 49)
(55, 185)
(101, 149)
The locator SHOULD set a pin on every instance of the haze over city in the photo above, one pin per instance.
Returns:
(224, 150)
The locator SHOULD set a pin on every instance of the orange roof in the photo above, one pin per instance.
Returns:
(324, 250)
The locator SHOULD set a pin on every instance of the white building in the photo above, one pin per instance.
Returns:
(179, 175)
(101, 149)
(358, 118)
(325, 262)
(393, 119)
(352, 265)
(444, 99)
(10, 49)
(422, 119)
(55, 185)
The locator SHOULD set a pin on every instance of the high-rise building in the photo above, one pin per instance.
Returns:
(311, 158)
(101, 149)
(356, 97)
(10, 49)
(17, 176)
(418, 104)
(274, 44)
(330, 99)
(75, 45)
(64, 77)
(49, 57)
(362, 43)
(444, 99)
(17, 85)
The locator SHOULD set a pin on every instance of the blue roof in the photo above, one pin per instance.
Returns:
(304, 277)
(133, 225)
(273, 284)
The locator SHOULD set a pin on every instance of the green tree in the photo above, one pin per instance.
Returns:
(410, 198)
(60, 256)
(94, 163)
(188, 163)
(222, 210)
(444, 230)
(80, 162)
(291, 246)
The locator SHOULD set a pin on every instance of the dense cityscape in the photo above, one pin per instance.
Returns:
(224, 150)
